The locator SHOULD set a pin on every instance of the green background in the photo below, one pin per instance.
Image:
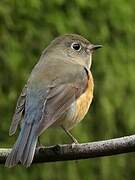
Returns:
(26, 28)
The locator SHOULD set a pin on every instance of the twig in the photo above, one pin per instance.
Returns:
(79, 151)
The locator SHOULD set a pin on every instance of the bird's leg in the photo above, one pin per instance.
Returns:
(39, 144)
(70, 135)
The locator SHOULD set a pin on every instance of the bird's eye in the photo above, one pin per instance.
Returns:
(76, 46)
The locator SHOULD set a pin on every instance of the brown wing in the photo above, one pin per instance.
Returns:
(18, 111)
(60, 98)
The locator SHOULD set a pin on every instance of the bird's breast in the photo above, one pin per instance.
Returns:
(79, 108)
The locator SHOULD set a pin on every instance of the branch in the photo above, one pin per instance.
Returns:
(79, 151)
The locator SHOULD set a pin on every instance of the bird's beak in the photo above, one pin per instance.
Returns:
(94, 47)
(91, 47)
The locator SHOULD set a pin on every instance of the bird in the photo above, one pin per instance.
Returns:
(58, 93)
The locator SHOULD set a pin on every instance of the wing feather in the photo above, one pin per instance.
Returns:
(60, 99)
(18, 111)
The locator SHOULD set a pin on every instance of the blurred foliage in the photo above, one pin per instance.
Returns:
(26, 28)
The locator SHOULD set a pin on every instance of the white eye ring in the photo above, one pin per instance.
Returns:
(76, 46)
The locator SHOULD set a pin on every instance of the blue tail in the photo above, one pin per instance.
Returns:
(24, 148)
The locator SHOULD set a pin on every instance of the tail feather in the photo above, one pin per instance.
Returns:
(24, 148)
(23, 139)
(27, 156)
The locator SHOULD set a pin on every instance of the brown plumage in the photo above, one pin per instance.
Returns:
(58, 92)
